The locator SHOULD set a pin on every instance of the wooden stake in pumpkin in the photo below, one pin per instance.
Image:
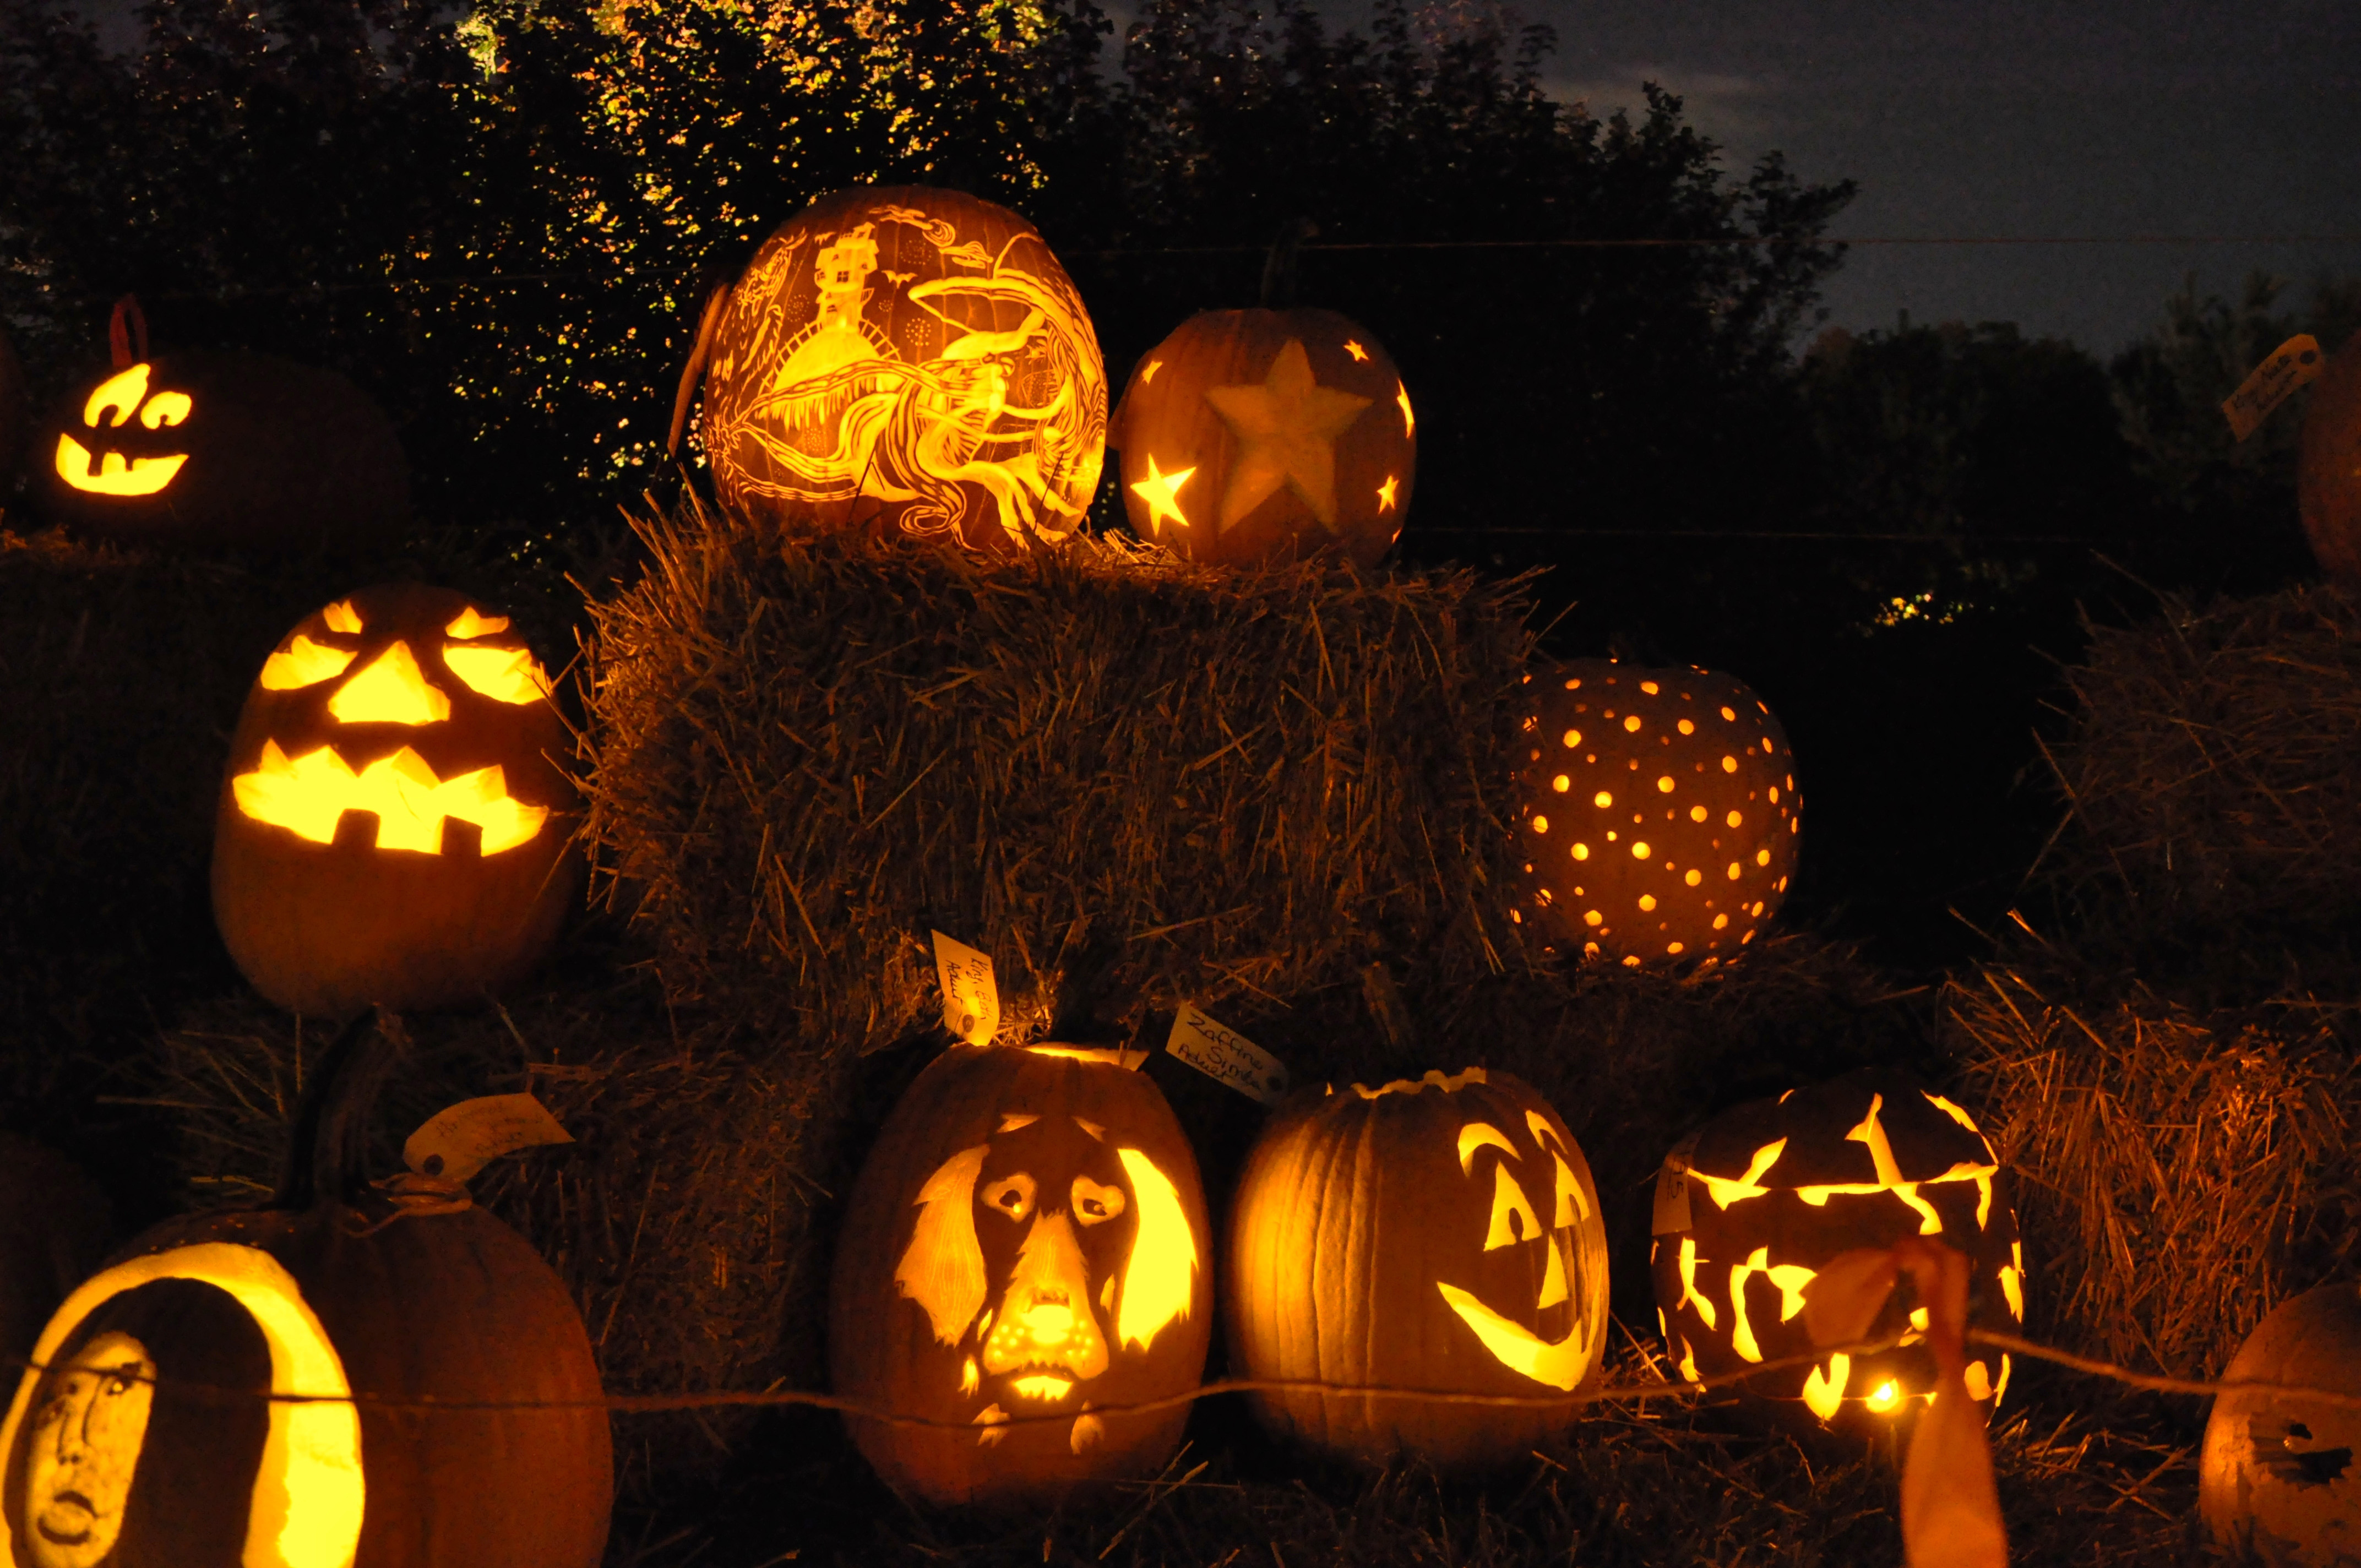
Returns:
(207, 1398)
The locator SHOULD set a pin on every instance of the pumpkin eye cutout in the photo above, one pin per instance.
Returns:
(504, 675)
(342, 617)
(1514, 1219)
(1095, 1204)
(392, 690)
(1011, 1196)
(303, 663)
(471, 624)
(84, 1448)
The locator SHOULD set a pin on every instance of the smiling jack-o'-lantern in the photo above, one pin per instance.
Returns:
(912, 361)
(1752, 1207)
(394, 828)
(1266, 435)
(1440, 1234)
(2275, 1482)
(1027, 1243)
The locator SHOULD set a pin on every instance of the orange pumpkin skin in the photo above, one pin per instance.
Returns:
(1375, 1230)
(2328, 468)
(1657, 815)
(1192, 408)
(910, 361)
(328, 929)
(971, 1224)
(274, 456)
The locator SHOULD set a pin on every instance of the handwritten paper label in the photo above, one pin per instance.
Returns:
(2291, 364)
(1222, 1053)
(1672, 1216)
(970, 999)
(460, 1140)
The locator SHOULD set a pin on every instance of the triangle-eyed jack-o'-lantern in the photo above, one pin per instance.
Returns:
(394, 828)
(1026, 1243)
(1438, 1234)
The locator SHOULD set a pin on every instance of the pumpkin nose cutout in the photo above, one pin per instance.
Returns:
(391, 690)
(1050, 1324)
(1044, 1324)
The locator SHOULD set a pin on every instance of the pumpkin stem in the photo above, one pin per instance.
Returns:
(708, 322)
(127, 333)
(1278, 263)
(327, 1153)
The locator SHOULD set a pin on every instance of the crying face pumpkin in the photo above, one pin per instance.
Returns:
(394, 828)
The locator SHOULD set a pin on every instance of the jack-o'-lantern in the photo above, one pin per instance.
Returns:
(153, 1436)
(1266, 435)
(1440, 1234)
(1754, 1204)
(911, 361)
(1027, 1243)
(1657, 815)
(394, 828)
(2275, 1483)
(2328, 468)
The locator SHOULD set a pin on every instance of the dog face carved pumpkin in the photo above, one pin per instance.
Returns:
(394, 828)
(1027, 1243)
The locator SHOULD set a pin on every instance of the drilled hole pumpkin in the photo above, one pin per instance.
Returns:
(1439, 1233)
(2328, 471)
(2276, 1481)
(1026, 1243)
(152, 1439)
(912, 361)
(1754, 1204)
(394, 828)
(1260, 436)
(1657, 815)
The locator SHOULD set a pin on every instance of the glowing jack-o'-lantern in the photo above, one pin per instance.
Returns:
(1752, 1207)
(1027, 1243)
(909, 360)
(1657, 815)
(1257, 435)
(153, 1436)
(1441, 1234)
(2275, 1482)
(2328, 468)
(394, 828)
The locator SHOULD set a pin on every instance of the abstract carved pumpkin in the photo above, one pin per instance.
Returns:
(2275, 1483)
(152, 1441)
(1754, 1204)
(394, 829)
(912, 361)
(1656, 813)
(1026, 1243)
(1265, 435)
(2328, 468)
(1441, 1234)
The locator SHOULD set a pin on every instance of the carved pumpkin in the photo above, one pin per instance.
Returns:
(1262, 435)
(909, 360)
(1753, 1205)
(1441, 1234)
(2328, 468)
(54, 1227)
(152, 1438)
(2275, 1483)
(1657, 815)
(1027, 1241)
(394, 828)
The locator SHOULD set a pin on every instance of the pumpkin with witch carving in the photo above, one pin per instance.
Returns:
(1026, 1245)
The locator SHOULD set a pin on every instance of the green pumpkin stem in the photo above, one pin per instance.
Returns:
(327, 1152)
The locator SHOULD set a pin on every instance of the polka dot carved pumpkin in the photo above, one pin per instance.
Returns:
(1657, 815)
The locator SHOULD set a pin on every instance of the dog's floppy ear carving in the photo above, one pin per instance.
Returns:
(1161, 1273)
(942, 1269)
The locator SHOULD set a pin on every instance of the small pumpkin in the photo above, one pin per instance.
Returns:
(2275, 1482)
(394, 828)
(1026, 1243)
(907, 360)
(152, 1437)
(1438, 1234)
(2328, 468)
(1265, 435)
(1657, 814)
(1751, 1207)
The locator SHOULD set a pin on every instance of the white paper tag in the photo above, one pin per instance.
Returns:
(970, 999)
(460, 1140)
(1220, 1052)
(2291, 364)
(1672, 1216)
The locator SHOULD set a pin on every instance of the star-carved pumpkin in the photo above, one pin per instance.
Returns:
(153, 1436)
(912, 361)
(1027, 1243)
(394, 828)
(2276, 1481)
(1265, 435)
(222, 450)
(1756, 1202)
(2328, 468)
(1657, 814)
(1439, 1233)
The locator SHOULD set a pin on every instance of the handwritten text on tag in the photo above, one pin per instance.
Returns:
(970, 999)
(1672, 1216)
(1220, 1052)
(460, 1140)
(2291, 364)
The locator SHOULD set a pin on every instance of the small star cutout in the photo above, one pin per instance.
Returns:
(1162, 492)
(1360, 355)
(1386, 493)
(1286, 427)
(1147, 371)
